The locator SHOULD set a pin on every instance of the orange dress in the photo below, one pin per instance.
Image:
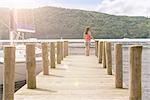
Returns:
(87, 38)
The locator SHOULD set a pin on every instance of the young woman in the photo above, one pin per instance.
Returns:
(87, 38)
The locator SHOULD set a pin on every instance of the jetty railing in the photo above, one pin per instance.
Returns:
(59, 50)
(103, 52)
(9, 64)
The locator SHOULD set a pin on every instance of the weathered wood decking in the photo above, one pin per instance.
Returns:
(77, 78)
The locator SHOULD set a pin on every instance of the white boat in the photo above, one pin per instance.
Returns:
(20, 68)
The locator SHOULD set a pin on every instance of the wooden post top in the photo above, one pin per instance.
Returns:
(136, 46)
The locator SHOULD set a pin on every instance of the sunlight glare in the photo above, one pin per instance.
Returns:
(18, 4)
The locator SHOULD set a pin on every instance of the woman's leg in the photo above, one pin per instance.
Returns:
(87, 48)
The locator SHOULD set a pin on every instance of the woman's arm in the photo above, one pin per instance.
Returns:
(91, 35)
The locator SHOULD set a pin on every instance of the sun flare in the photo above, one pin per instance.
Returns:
(18, 4)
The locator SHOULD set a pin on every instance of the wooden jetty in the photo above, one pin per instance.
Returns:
(76, 77)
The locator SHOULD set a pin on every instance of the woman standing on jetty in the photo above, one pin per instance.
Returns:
(87, 38)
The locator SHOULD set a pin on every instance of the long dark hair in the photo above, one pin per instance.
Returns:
(86, 30)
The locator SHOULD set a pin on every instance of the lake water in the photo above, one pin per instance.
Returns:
(145, 69)
(18, 85)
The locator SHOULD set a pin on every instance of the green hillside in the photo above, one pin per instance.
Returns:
(54, 22)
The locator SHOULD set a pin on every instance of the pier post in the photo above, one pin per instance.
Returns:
(58, 52)
(45, 58)
(135, 73)
(31, 66)
(119, 66)
(52, 55)
(65, 48)
(100, 48)
(108, 57)
(9, 73)
(96, 48)
(103, 56)
(62, 50)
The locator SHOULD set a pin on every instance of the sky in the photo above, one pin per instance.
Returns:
(114, 7)
(126, 7)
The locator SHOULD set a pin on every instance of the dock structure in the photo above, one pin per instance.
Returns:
(77, 78)
(80, 77)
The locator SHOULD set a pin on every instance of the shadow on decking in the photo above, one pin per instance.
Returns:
(58, 68)
(45, 90)
(52, 75)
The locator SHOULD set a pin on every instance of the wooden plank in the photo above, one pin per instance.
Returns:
(77, 78)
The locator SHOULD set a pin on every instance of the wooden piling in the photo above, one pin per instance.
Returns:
(52, 55)
(65, 48)
(108, 57)
(62, 50)
(96, 48)
(31, 66)
(45, 58)
(103, 56)
(119, 66)
(135, 73)
(9, 73)
(100, 48)
(58, 52)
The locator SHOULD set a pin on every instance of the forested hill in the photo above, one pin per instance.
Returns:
(54, 22)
